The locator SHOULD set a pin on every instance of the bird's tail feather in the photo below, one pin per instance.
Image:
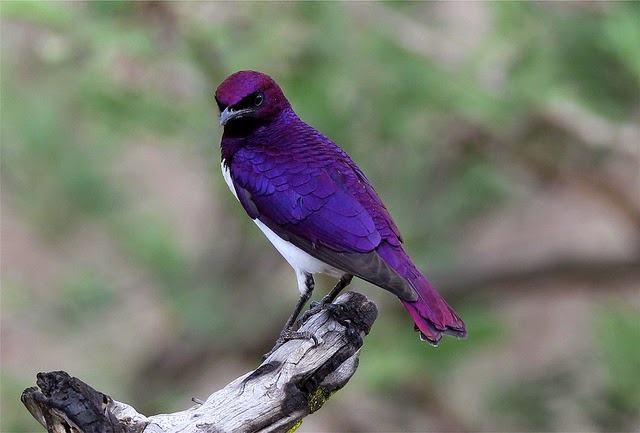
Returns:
(431, 314)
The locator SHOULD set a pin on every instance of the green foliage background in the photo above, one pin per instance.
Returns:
(440, 139)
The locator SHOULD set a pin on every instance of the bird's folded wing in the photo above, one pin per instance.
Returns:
(303, 204)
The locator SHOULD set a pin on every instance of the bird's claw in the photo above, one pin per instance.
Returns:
(315, 304)
(288, 334)
(315, 308)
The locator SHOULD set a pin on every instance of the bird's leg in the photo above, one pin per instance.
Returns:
(305, 294)
(316, 307)
(306, 284)
(343, 282)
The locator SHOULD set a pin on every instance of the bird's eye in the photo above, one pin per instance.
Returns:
(258, 101)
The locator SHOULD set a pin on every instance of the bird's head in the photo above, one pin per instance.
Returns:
(249, 98)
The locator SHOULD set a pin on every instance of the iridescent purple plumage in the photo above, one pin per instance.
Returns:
(315, 204)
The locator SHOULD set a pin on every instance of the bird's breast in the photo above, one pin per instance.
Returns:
(226, 174)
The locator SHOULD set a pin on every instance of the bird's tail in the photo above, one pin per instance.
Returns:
(431, 314)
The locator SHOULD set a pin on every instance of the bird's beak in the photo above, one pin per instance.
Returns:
(229, 114)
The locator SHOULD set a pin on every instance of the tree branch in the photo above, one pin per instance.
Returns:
(601, 274)
(296, 380)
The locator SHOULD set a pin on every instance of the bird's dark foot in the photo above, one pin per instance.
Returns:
(325, 302)
(288, 334)
(315, 308)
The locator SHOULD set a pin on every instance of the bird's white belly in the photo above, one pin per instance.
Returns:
(297, 258)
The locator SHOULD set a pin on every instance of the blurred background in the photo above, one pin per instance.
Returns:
(503, 137)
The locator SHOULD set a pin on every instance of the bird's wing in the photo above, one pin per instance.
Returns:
(315, 201)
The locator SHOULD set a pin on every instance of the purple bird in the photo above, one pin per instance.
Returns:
(315, 205)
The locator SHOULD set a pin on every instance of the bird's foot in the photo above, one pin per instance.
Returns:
(327, 301)
(286, 335)
(342, 313)
(315, 308)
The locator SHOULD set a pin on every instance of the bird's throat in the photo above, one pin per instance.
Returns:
(241, 127)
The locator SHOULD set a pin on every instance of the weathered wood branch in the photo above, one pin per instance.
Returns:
(294, 381)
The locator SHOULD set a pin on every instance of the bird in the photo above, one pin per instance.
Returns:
(316, 206)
